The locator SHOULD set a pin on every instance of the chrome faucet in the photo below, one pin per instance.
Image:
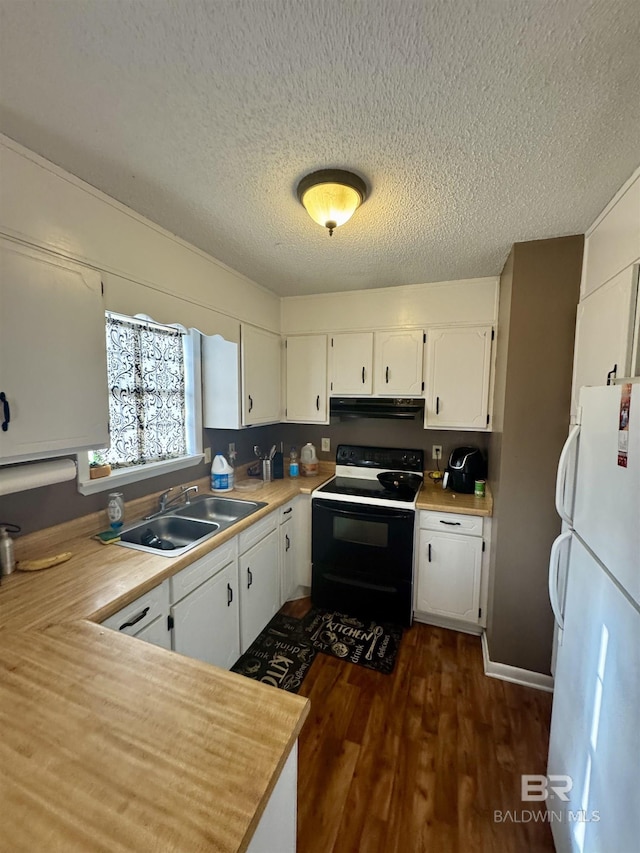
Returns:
(164, 501)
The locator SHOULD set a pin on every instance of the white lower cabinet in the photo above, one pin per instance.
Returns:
(277, 828)
(259, 581)
(287, 534)
(205, 609)
(449, 568)
(157, 633)
(295, 548)
(145, 618)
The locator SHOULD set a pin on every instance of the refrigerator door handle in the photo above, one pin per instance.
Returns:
(554, 569)
(561, 478)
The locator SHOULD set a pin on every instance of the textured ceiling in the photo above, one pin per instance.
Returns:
(476, 123)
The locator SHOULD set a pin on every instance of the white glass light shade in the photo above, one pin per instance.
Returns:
(331, 196)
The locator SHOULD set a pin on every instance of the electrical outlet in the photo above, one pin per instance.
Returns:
(326, 445)
(232, 448)
(207, 456)
(436, 451)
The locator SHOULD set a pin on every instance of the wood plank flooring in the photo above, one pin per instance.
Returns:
(417, 762)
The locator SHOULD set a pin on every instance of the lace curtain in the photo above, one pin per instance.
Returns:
(145, 369)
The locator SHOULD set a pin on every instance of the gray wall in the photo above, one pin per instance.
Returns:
(44, 507)
(539, 295)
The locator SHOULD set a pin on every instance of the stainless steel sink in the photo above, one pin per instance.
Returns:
(222, 510)
(177, 530)
(168, 535)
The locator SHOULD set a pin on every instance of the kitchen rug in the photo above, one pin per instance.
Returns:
(365, 642)
(280, 655)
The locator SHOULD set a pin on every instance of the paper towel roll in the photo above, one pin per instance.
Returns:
(18, 478)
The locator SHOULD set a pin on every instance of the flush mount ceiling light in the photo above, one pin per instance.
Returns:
(331, 196)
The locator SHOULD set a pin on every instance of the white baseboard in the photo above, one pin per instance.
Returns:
(513, 673)
(451, 624)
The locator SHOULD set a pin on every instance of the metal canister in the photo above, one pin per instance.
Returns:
(7, 560)
(479, 488)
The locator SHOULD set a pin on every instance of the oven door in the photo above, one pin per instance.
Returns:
(363, 560)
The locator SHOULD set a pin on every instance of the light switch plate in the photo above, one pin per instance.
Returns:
(326, 445)
(207, 455)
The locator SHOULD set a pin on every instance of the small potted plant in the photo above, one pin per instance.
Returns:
(98, 467)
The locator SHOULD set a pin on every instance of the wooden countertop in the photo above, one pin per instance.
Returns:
(108, 743)
(112, 744)
(433, 496)
(101, 579)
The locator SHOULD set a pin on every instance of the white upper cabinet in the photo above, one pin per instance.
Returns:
(605, 332)
(614, 242)
(352, 363)
(306, 379)
(398, 359)
(53, 369)
(458, 362)
(241, 383)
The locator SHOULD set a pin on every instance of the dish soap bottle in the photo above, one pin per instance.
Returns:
(293, 463)
(221, 474)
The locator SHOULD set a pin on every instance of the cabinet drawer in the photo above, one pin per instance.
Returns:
(248, 538)
(141, 612)
(286, 511)
(471, 525)
(197, 573)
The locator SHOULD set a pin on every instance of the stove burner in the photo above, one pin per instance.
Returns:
(365, 488)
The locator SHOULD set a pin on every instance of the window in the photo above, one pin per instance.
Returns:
(153, 378)
(146, 378)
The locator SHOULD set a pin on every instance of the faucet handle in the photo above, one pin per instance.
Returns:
(162, 500)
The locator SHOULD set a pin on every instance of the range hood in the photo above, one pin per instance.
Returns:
(347, 408)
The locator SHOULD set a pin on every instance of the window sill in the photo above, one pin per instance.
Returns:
(122, 476)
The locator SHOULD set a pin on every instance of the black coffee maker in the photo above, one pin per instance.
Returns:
(466, 465)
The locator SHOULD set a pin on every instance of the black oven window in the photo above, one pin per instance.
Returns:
(372, 533)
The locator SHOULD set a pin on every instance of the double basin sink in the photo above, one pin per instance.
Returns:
(175, 531)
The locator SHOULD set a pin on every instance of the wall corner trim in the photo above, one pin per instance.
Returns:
(503, 671)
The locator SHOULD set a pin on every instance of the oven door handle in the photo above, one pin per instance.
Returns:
(389, 515)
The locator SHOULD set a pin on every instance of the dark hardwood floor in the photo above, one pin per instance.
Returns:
(419, 760)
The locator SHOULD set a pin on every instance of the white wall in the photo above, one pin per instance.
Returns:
(472, 301)
(146, 269)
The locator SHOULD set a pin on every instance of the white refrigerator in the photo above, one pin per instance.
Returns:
(594, 747)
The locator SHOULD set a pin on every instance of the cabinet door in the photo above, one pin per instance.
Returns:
(604, 332)
(398, 358)
(157, 633)
(449, 575)
(303, 545)
(206, 622)
(458, 362)
(306, 385)
(351, 363)
(287, 560)
(260, 376)
(259, 588)
(53, 363)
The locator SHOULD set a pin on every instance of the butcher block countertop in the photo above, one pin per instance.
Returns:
(432, 496)
(111, 744)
